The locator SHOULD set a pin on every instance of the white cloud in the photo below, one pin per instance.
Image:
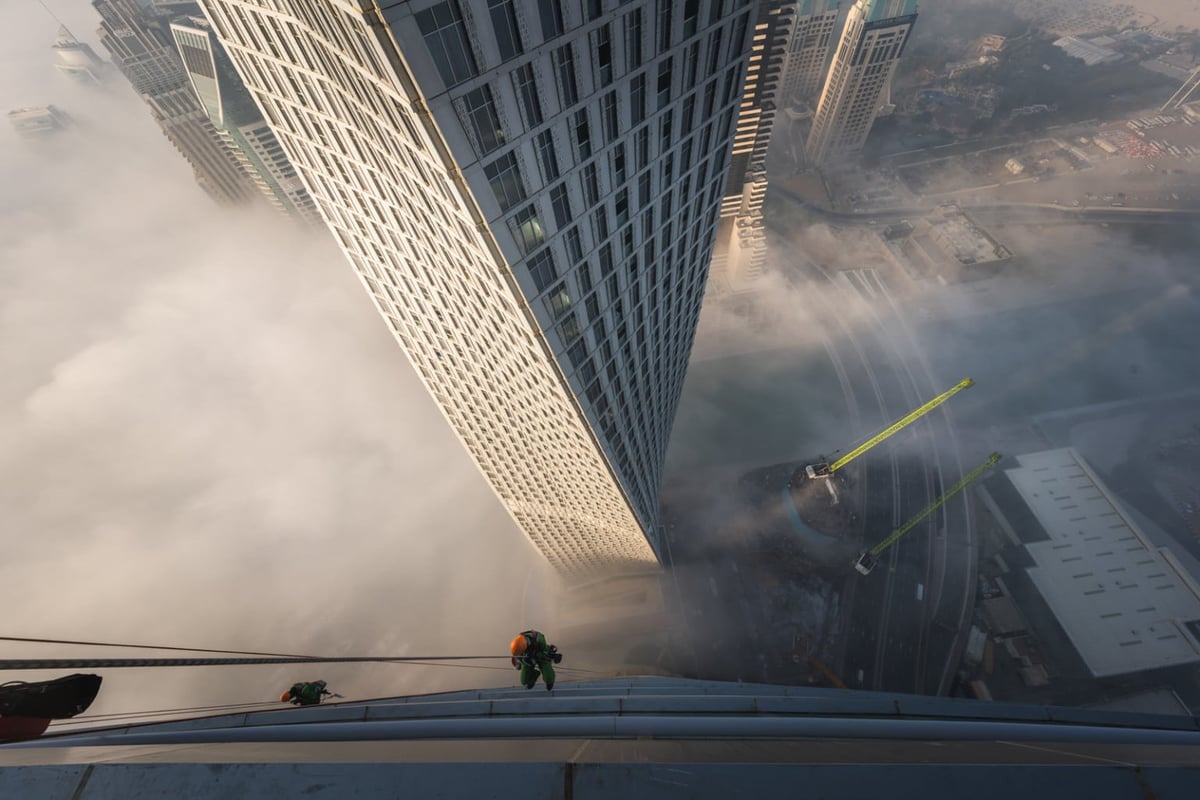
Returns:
(207, 436)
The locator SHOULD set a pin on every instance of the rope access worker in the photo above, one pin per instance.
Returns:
(305, 694)
(534, 657)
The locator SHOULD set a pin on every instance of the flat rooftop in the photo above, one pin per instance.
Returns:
(1125, 604)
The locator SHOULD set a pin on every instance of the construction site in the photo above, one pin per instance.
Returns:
(794, 568)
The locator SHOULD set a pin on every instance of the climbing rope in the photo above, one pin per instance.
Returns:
(149, 647)
(264, 658)
(123, 663)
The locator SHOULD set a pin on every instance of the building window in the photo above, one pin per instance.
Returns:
(731, 81)
(527, 229)
(446, 37)
(714, 51)
(689, 108)
(560, 201)
(664, 83)
(633, 40)
(691, 62)
(569, 329)
(583, 138)
(594, 9)
(641, 146)
(637, 98)
(541, 269)
(578, 353)
(599, 224)
(550, 13)
(691, 14)
(606, 268)
(716, 11)
(525, 86)
(621, 207)
(543, 145)
(504, 24)
(558, 300)
(618, 163)
(602, 46)
(591, 185)
(664, 25)
(480, 119)
(608, 116)
(574, 245)
(505, 179)
(564, 71)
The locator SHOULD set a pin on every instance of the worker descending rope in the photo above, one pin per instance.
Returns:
(534, 657)
(306, 694)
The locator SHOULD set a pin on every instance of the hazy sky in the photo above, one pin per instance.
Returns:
(207, 436)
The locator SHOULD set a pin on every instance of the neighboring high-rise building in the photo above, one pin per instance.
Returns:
(808, 50)
(871, 44)
(741, 245)
(38, 123)
(231, 109)
(78, 61)
(529, 190)
(141, 46)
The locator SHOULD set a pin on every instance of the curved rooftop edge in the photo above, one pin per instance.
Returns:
(642, 736)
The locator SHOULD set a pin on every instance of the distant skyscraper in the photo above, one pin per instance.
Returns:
(871, 44)
(529, 190)
(38, 123)
(78, 61)
(741, 246)
(142, 48)
(808, 50)
(231, 109)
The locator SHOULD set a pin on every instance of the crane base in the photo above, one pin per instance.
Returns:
(866, 562)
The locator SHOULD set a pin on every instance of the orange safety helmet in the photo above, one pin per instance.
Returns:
(519, 645)
(286, 696)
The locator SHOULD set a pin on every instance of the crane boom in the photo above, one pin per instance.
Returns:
(825, 470)
(866, 562)
(829, 674)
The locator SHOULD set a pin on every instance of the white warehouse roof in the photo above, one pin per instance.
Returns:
(1123, 603)
(1090, 54)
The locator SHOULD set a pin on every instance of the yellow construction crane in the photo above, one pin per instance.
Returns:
(870, 558)
(824, 469)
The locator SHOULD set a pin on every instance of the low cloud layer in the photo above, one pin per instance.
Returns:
(207, 436)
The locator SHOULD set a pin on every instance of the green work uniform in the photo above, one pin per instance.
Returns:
(308, 694)
(536, 661)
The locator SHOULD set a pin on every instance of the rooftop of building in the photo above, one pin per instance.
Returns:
(1125, 604)
(1089, 52)
(630, 737)
(36, 122)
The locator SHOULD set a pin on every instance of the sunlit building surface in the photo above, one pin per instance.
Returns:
(808, 50)
(232, 111)
(870, 47)
(741, 247)
(140, 42)
(529, 190)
